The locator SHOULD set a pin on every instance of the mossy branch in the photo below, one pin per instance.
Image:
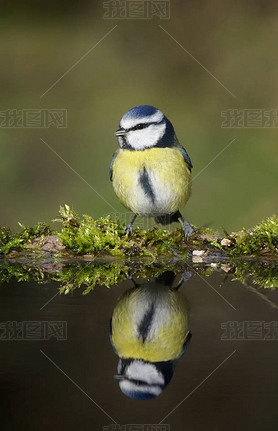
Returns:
(83, 236)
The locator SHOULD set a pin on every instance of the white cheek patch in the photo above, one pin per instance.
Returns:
(145, 372)
(128, 122)
(147, 137)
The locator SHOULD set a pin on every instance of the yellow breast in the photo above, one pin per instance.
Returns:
(168, 175)
(168, 331)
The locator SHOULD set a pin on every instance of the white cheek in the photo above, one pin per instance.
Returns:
(147, 372)
(148, 137)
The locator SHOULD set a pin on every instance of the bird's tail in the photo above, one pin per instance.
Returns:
(168, 218)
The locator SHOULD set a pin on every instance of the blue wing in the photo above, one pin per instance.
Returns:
(186, 157)
(111, 165)
(110, 333)
(187, 341)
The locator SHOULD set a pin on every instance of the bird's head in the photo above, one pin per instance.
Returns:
(143, 380)
(145, 127)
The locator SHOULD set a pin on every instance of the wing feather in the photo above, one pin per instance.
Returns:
(186, 157)
(111, 165)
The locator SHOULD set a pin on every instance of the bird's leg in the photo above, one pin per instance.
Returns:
(186, 276)
(186, 226)
(128, 228)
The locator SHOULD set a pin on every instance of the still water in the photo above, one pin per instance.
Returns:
(58, 365)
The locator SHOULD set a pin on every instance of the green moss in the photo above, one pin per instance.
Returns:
(262, 238)
(87, 235)
(263, 274)
(106, 236)
(89, 275)
(216, 244)
(84, 235)
(23, 272)
(18, 241)
(85, 276)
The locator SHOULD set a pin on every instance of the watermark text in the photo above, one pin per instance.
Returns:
(33, 118)
(249, 118)
(249, 330)
(136, 9)
(33, 330)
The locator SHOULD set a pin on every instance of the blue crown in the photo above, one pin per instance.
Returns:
(140, 111)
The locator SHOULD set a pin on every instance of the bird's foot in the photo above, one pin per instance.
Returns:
(128, 229)
(188, 230)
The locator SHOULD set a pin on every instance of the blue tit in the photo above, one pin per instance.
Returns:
(151, 171)
(149, 331)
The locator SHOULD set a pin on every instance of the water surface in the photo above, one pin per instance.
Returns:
(225, 380)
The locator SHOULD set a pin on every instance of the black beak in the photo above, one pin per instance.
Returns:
(120, 132)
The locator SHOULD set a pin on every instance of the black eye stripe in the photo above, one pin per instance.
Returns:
(139, 126)
(143, 125)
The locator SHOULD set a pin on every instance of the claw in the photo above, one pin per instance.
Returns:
(188, 230)
(128, 228)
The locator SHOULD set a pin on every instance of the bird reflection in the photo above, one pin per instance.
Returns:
(149, 331)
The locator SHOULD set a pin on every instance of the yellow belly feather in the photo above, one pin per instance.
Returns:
(168, 173)
(166, 341)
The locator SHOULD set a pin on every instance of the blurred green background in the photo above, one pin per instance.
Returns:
(138, 63)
